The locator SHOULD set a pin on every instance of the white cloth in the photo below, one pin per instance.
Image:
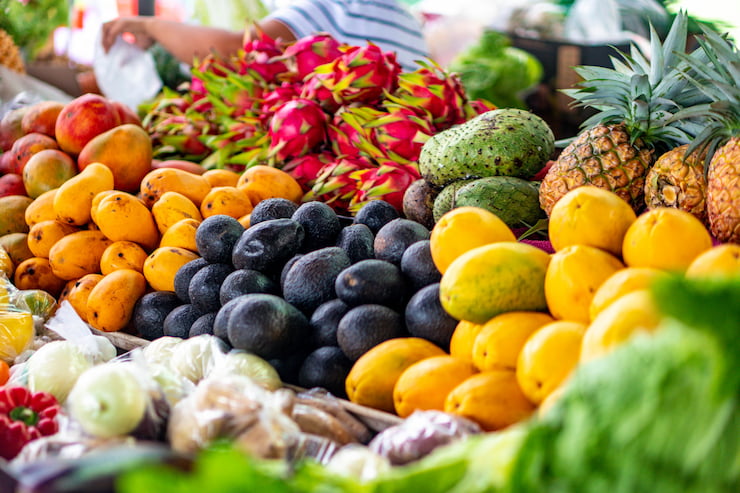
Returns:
(355, 22)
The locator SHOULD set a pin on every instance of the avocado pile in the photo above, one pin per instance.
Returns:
(304, 288)
(489, 162)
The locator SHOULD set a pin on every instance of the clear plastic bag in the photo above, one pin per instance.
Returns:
(126, 73)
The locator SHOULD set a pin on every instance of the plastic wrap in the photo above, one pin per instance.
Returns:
(250, 365)
(195, 357)
(359, 462)
(233, 407)
(419, 434)
(119, 398)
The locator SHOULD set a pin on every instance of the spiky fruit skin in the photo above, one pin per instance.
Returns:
(675, 182)
(296, 127)
(604, 157)
(723, 192)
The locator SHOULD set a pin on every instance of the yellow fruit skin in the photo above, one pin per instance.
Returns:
(221, 177)
(591, 216)
(159, 181)
(720, 260)
(7, 267)
(95, 203)
(425, 384)
(634, 312)
(493, 279)
(573, 276)
(463, 339)
(492, 399)
(13, 214)
(73, 200)
(181, 235)
(80, 291)
(122, 255)
(16, 334)
(77, 254)
(44, 235)
(163, 263)
(620, 283)
(37, 273)
(111, 301)
(41, 209)
(463, 229)
(262, 182)
(501, 339)
(229, 201)
(665, 238)
(373, 376)
(123, 217)
(548, 358)
(173, 207)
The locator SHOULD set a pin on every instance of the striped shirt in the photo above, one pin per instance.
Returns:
(355, 22)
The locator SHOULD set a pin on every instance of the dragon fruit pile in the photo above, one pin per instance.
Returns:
(345, 121)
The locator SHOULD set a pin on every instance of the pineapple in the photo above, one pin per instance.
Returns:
(678, 180)
(10, 55)
(717, 75)
(635, 101)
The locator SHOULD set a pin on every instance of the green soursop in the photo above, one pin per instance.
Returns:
(513, 200)
(445, 200)
(502, 142)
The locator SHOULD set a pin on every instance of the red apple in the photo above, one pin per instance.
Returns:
(11, 184)
(82, 119)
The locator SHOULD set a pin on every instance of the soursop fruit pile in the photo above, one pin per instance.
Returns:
(489, 161)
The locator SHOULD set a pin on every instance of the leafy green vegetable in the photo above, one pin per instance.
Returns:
(658, 414)
(30, 23)
(493, 70)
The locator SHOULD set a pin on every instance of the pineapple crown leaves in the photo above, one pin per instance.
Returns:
(643, 94)
(716, 74)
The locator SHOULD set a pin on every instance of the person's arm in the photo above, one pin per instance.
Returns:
(184, 41)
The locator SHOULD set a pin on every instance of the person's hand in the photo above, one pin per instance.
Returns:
(139, 27)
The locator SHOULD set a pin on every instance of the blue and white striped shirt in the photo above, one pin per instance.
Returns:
(355, 22)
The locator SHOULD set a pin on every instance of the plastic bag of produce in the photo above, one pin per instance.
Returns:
(419, 434)
(16, 333)
(67, 323)
(234, 408)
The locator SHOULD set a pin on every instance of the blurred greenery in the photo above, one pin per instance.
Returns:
(30, 23)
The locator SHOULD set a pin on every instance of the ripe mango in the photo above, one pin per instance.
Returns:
(111, 301)
(123, 217)
(73, 200)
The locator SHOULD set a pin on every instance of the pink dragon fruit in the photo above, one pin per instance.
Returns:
(431, 90)
(315, 87)
(306, 168)
(400, 134)
(337, 182)
(296, 128)
(362, 74)
(348, 133)
(275, 98)
(312, 51)
(388, 182)
(263, 57)
(211, 64)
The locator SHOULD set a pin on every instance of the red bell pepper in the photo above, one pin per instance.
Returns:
(25, 416)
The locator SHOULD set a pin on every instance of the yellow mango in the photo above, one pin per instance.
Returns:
(163, 263)
(80, 291)
(123, 217)
(161, 180)
(110, 304)
(73, 200)
(41, 209)
(181, 235)
(122, 255)
(173, 207)
(78, 253)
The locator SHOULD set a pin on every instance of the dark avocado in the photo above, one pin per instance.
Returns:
(426, 318)
(324, 322)
(220, 323)
(216, 236)
(183, 276)
(266, 246)
(150, 311)
(371, 281)
(395, 237)
(272, 208)
(205, 287)
(178, 321)
(310, 281)
(418, 202)
(357, 241)
(286, 268)
(365, 326)
(418, 267)
(267, 325)
(245, 281)
(376, 214)
(326, 367)
(203, 325)
(320, 223)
